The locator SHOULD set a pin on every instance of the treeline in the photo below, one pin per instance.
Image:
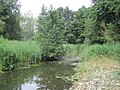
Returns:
(97, 24)
(9, 19)
(14, 25)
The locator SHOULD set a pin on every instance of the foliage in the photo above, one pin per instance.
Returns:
(15, 54)
(87, 52)
(2, 26)
(78, 27)
(107, 14)
(73, 50)
(50, 35)
(8, 60)
(109, 50)
(9, 16)
(73, 25)
(27, 24)
(93, 57)
(98, 24)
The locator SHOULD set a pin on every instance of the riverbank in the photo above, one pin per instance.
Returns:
(98, 74)
(98, 67)
(102, 60)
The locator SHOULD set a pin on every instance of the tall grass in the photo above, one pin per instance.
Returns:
(73, 50)
(15, 54)
(105, 50)
(90, 51)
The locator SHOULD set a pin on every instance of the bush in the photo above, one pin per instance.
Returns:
(9, 60)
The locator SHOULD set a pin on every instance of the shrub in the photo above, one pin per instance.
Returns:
(9, 60)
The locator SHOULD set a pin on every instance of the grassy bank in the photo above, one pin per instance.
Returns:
(87, 52)
(15, 54)
(107, 54)
(94, 58)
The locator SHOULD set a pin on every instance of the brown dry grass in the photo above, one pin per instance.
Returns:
(101, 63)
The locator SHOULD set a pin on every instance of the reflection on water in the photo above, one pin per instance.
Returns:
(37, 78)
(29, 86)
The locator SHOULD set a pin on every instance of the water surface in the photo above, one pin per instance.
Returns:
(43, 77)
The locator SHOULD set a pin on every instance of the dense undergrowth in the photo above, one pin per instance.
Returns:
(15, 54)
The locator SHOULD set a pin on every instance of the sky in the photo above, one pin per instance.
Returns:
(35, 5)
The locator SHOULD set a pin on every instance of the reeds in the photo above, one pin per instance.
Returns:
(87, 52)
(14, 54)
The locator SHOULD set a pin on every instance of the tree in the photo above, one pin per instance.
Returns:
(107, 13)
(50, 34)
(2, 26)
(78, 25)
(28, 26)
(73, 25)
(68, 16)
(9, 14)
(92, 33)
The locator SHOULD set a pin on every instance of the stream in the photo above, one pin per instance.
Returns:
(43, 77)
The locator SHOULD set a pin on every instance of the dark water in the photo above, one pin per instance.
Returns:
(43, 77)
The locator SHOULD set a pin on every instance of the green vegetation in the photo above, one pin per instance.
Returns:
(27, 24)
(87, 52)
(92, 31)
(50, 35)
(94, 59)
(105, 50)
(15, 54)
(89, 38)
(9, 19)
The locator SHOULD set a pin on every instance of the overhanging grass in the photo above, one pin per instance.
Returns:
(23, 53)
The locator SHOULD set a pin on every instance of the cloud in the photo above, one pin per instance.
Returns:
(35, 5)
